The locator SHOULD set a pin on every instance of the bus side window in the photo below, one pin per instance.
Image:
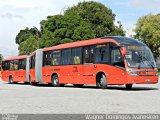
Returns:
(76, 55)
(88, 54)
(3, 65)
(22, 64)
(11, 65)
(56, 57)
(32, 62)
(102, 53)
(47, 58)
(66, 57)
(15, 64)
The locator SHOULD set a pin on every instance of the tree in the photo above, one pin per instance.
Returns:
(29, 45)
(86, 20)
(28, 40)
(1, 58)
(26, 33)
(64, 28)
(100, 18)
(148, 31)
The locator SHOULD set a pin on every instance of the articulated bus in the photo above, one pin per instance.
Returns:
(103, 61)
(15, 69)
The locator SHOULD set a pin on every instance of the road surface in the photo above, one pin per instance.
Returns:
(21, 98)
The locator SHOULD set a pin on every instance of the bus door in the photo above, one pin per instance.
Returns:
(117, 61)
(32, 69)
(89, 68)
(14, 69)
(76, 70)
(22, 71)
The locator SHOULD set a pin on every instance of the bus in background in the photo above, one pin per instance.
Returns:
(15, 69)
(103, 61)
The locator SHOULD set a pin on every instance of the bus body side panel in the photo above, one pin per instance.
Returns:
(38, 65)
(27, 69)
(113, 74)
(71, 74)
(86, 74)
(32, 75)
(22, 75)
(142, 79)
(16, 75)
(5, 75)
(47, 74)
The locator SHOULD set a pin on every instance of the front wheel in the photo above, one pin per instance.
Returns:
(101, 81)
(129, 86)
(55, 81)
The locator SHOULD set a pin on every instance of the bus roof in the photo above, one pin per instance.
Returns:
(119, 40)
(16, 58)
(80, 43)
(124, 40)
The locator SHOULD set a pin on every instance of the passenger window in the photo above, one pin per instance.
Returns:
(76, 56)
(47, 58)
(22, 64)
(88, 54)
(11, 65)
(102, 53)
(15, 64)
(66, 57)
(56, 57)
(32, 62)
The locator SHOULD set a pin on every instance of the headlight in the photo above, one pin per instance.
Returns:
(132, 72)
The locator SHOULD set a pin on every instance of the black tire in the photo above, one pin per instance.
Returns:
(101, 81)
(78, 85)
(55, 81)
(11, 80)
(129, 86)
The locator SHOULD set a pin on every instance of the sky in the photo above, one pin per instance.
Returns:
(19, 14)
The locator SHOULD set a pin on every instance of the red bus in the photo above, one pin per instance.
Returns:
(15, 69)
(103, 61)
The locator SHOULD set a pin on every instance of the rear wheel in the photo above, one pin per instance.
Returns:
(10, 80)
(55, 81)
(101, 81)
(129, 86)
(78, 85)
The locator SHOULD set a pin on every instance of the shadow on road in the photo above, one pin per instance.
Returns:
(93, 87)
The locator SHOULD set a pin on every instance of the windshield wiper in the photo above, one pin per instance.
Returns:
(140, 60)
(149, 62)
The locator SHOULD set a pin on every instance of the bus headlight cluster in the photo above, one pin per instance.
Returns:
(132, 72)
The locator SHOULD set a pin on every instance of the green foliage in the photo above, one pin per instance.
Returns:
(148, 31)
(60, 29)
(1, 58)
(100, 18)
(27, 40)
(29, 45)
(26, 33)
(84, 21)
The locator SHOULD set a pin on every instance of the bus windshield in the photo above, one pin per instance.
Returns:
(139, 57)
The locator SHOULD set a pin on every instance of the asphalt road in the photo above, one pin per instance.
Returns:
(21, 98)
